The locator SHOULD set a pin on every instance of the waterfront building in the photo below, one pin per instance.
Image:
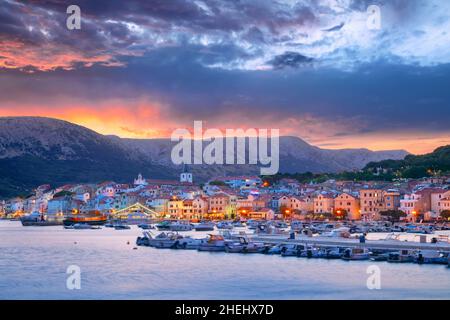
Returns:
(324, 203)
(371, 203)
(348, 203)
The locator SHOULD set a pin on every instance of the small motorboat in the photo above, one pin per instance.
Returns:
(80, 226)
(204, 226)
(224, 225)
(431, 257)
(188, 243)
(238, 224)
(292, 250)
(356, 254)
(402, 256)
(312, 252)
(244, 245)
(379, 256)
(332, 253)
(276, 249)
(163, 240)
(145, 226)
(121, 226)
(180, 226)
(342, 232)
(212, 243)
(163, 226)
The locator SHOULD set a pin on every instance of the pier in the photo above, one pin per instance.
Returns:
(353, 243)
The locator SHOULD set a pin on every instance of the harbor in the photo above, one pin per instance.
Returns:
(111, 268)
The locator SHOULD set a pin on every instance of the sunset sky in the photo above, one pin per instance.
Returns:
(311, 68)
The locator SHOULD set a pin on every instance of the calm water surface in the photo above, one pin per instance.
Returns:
(34, 260)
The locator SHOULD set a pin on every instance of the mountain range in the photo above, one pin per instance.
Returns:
(37, 150)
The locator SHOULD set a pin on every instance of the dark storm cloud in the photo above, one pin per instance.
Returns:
(252, 59)
(290, 59)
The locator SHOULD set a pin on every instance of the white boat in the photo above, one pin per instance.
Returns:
(431, 257)
(244, 245)
(356, 254)
(188, 243)
(312, 252)
(238, 224)
(212, 243)
(342, 232)
(82, 226)
(401, 256)
(276, 249)
(332, 253)
(163, 240)
(121, 226)
(296, 225)
(204, 226)
(180, 226)
(225, 225)
(292, 250)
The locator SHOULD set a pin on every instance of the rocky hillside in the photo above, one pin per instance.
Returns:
(35, 150)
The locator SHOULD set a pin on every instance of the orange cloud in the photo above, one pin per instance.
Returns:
(46, 57)
(143, 118)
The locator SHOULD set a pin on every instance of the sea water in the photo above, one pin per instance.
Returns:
(34, 263)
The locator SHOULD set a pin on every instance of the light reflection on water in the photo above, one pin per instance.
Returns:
(33, 263)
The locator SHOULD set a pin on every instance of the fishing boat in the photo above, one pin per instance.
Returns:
(38, 219)
(401, 256)
(431, 257)
(244, 245)
(204, 226)
(93, 218)
(213, 243)
(356, 254)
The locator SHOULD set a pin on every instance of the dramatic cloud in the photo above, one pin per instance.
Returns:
(309, 67)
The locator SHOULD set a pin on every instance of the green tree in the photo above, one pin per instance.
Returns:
(445, 214)
(393, 215)
(340, 214)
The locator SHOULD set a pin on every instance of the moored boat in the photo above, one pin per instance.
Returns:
(244, 245)
(121, 226)
(188, 243)
(224, 225)
(38, 219)
(431, 257)
(204, 226)
(356, 254)
(213, 243)
(292, 250)
(401, 256)
(180, 226)
(163, 240)
(93, 218)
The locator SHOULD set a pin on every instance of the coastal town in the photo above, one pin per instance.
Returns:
(241, 198)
